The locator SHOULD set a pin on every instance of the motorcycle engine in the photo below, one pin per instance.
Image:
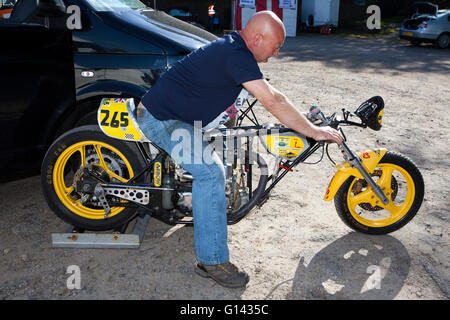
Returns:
(235, 190)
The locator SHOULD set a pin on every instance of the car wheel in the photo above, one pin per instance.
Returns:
(443, 41)
(88, 119)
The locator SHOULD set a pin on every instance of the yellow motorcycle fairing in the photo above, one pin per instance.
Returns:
(370, 159)
(116, 118)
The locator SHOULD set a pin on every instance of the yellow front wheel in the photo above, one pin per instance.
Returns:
(400, 180)
(63, 167)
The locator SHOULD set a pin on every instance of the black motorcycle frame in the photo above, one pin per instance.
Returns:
(252, 131)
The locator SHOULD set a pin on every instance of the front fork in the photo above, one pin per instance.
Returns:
(355, 161)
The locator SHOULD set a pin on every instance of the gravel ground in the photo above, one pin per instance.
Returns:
(295, 246)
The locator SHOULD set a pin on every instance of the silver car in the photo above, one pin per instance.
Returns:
(428, 24)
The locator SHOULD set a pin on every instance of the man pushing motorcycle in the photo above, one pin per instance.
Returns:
(204, 86)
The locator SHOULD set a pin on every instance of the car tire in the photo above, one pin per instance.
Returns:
(443, 41)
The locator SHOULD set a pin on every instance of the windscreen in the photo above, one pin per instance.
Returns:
(7, 3)
(113, 5)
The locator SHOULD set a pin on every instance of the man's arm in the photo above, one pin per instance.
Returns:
(280, 106)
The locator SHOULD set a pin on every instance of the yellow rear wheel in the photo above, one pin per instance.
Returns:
(114, 161)
(110, 160)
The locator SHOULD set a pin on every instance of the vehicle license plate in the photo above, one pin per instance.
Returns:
(406, 33)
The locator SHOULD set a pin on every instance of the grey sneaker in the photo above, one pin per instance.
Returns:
(225, 274)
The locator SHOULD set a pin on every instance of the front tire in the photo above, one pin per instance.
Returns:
(443, 41)
(401, 181)
(115, 160)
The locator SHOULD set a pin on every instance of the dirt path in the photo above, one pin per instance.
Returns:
(295, 246)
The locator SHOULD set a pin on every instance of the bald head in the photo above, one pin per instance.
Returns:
(265, 22)
(264, 34)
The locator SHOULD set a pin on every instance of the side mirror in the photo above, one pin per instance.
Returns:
(51, 8)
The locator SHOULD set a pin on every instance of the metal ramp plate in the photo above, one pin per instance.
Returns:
(103, 240)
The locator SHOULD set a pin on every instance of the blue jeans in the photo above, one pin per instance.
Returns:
(208, 188)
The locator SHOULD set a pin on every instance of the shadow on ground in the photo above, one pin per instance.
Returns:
(356, 266)
(363, 54)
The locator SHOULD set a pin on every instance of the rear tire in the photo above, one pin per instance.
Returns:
(119, 162)
(357, 206)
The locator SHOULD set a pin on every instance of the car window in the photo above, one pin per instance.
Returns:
(179, 13)
(112, 5)
(8, 3)
(6, 7)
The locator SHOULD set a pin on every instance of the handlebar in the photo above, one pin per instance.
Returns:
(316, 114)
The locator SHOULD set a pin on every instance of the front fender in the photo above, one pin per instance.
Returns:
(370, 159)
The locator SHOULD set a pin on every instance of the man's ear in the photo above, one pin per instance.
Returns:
(257, 40)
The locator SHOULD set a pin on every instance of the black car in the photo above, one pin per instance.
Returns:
(59, 58)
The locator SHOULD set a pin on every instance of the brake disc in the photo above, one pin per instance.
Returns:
(111, 160)
(362, 184)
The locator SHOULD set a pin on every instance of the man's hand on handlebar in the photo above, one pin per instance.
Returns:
(328, 133)
(323, 132)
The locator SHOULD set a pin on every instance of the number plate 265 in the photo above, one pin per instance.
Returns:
(114, 120)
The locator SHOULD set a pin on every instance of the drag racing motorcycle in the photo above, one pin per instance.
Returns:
(102, 177)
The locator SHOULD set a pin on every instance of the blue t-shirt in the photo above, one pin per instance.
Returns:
(206, 85)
